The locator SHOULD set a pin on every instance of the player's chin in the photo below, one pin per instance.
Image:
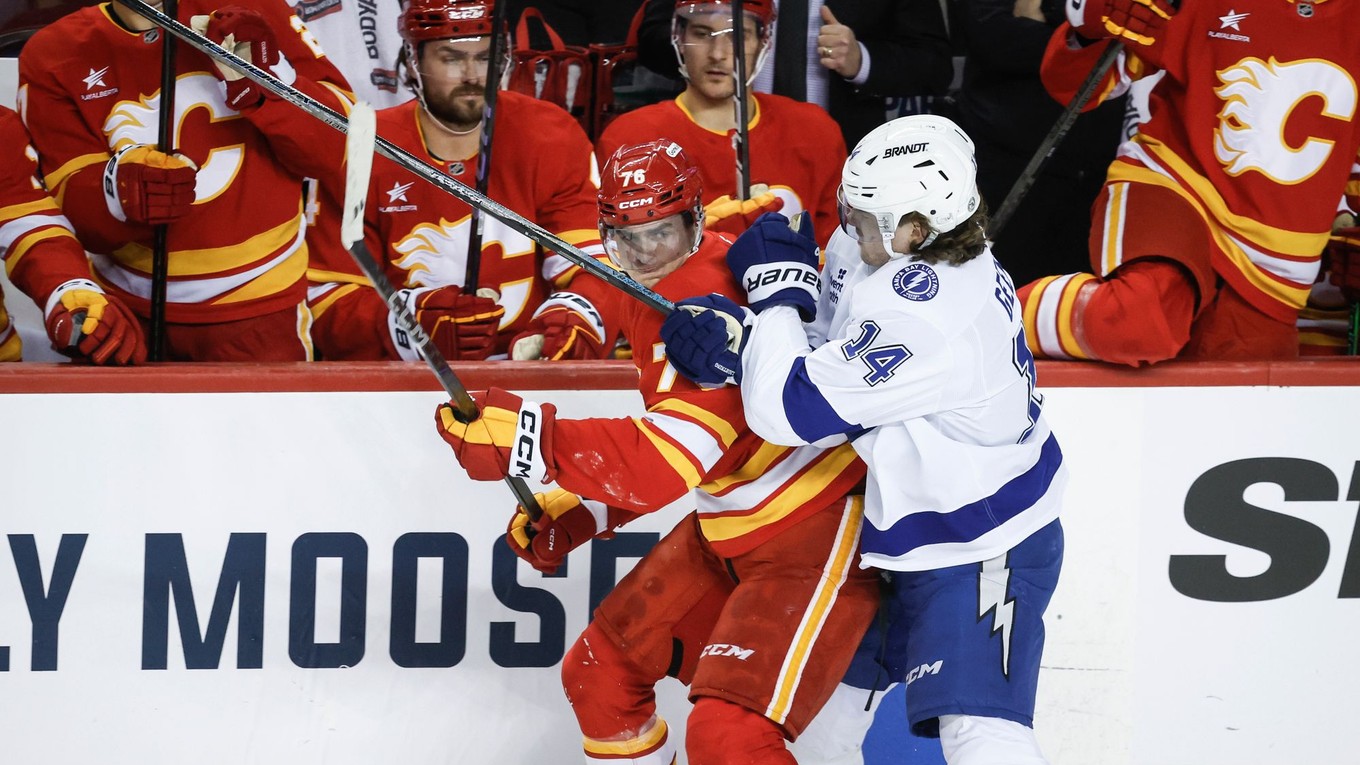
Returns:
(716, 85)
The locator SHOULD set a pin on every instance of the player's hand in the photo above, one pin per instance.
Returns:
(1343, 261)
(568, 521)
(565, 326)
(777, 265)
(463, 327)
(733, 216)
(704, 339)
(1138, 21)
(82, 321)
(509, 437)
(247, 35)
(143, 185)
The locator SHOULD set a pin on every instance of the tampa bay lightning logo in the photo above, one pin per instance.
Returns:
(916, 282)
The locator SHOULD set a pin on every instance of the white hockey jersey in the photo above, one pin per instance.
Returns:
(926, 369)
(361, 38)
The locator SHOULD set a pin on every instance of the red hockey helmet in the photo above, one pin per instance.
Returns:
(424, 20)
(651, 213)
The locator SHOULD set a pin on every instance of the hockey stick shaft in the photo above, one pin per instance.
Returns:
(1055, 135)
(468, 195)
(165, 143)
(741, 139)
(477, 223)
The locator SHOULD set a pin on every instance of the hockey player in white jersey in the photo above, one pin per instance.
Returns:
(917, 354)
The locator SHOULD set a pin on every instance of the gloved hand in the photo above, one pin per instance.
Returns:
(247, 35)
(777, 265)
(143, 185)
(1343, 261)
(734, 216)
(463, 327)
(83, 321)
(1138, 21)
(704, 339)
(565, 326)
(509, 437)
(568, 521)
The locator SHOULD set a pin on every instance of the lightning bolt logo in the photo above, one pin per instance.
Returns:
(993, 581)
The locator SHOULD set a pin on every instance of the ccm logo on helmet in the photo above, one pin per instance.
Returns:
(464, 15)
(631, 203)
(910, 148)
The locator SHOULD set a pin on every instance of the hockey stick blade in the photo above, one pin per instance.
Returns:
(359, 142)
(468, 195)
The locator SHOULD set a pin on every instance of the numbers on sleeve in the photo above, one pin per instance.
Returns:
(882, 360)
(668, 372)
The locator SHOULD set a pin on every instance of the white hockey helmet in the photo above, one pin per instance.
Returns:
(922, 163)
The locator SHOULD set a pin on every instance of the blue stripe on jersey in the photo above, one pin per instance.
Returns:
(807, 409)
(972, 520)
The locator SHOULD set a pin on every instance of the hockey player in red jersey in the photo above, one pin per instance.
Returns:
(1207, 235)
(43, 258)
(89, 89)
(796, 148)
(753, 599)
(543, 168)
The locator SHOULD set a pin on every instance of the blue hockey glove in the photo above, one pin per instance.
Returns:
(704, 339)
(777, 264)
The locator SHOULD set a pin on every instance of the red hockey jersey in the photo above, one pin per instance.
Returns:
(748, 489)
(1254, 125)
(88, 86)
(796, 149)
(543, 169)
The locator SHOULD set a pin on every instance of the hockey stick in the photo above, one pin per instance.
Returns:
(165, 143)
(477, 223)
(1050, 142)
(511, 219)
(359, 143)
(741, 139)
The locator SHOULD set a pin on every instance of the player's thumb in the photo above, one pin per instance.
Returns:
(828, 17)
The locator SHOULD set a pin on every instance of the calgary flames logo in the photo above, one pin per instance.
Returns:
(435, 255)
(1258, 99)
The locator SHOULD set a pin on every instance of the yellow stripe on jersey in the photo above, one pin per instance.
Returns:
(1067, 337)
(216, 261)
(813, 480)
(641, 745)
(755, 467)
(837, 569)
(56, 179)
(1111, 252)
(711, 422)
(320, 276)
(1030, 317)
(16, 252)
(676, 457)
(45, 204)
(324, 304)
(271, 282)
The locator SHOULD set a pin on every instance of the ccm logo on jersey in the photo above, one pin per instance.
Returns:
(631, 203)
(908, 148)
(916, 282)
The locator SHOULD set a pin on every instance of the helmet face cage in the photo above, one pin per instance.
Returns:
(922, 164)
(643, 187)
(761, 11)
(423, 21)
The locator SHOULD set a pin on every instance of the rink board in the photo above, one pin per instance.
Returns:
(284, 564)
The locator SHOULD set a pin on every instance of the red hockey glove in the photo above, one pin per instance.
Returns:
(1138, 21)
(83, 321)
(568, 521)
(565, 326)
(1343, 261)
(142, 185)
(734, 216)
(463, 327)
(510, 437)
(247, 35)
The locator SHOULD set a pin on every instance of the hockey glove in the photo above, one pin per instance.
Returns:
(509, 437)
(568, 521)
(84, 322)
(565, 326)
(705, 337)
(142, 185)
(1138, 21)
(463, 327)
(777, 265)
(1343, 261)
(734, 216)
(247, 35)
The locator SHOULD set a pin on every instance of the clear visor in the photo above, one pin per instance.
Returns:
(865, 227)
(649, 248)
(707, 24)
